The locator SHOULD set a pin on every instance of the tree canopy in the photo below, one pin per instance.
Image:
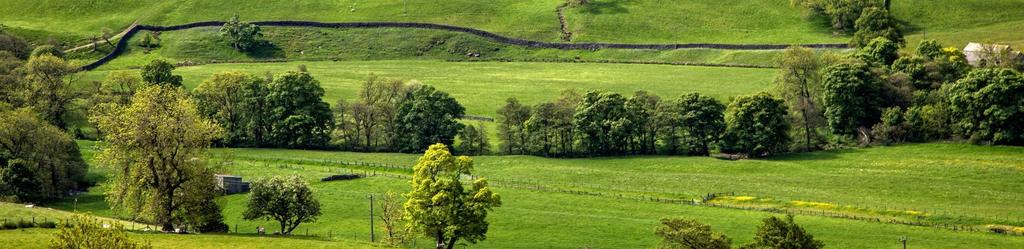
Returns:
(756, 125)
(287, 200)
(156, 146)
(429, 116)
(988, 106)
(440, 206)
(299, 117)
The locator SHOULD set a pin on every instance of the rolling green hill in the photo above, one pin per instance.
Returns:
(650, 21)
(855, 177)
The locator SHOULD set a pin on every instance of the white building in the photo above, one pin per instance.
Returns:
(979, 54)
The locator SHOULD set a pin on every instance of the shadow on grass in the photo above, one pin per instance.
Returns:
(604, 7)
(266, 50)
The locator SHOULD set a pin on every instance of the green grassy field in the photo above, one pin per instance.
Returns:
(202, 45)
(918, 176)
(775, 21)
(482, 87)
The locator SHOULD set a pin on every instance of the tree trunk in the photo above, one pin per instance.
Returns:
(165, 222)
(451, 243)
(440, 240)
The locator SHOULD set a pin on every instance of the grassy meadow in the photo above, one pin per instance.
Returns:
(482, 87)
(203, 45)
(652, 21)
(910, 176)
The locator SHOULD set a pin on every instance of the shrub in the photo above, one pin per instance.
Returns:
(47, 224)
(25, 224)
(892, 128)
(10, 225)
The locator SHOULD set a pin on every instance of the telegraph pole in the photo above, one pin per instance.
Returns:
(903, 239)
(372, 239)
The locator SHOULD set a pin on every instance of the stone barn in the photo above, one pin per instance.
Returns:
(232, 184)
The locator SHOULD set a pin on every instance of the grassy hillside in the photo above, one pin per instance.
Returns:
(203, 45)
(746, 21)
(573, 221)
(482, 87)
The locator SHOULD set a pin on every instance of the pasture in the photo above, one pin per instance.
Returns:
(896, 177)
(775, 21)
(482, 87)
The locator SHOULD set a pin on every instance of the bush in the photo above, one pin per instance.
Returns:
(47, 224)
(10, 225)
(892, 128)
(25, 224)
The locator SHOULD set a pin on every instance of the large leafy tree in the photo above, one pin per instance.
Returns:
(875, 23)
(429, 116)
(799, 84)
(988, 106)
(852, 97)
(602, 123)
(159, 72)
(300, 119)
(38, 161)
(473, 140)
(441, 207)
(243, 36)
(221, 98)
(642, 108)
(702, 119)
(155, 146)
(48, 88)
(783, 233)
(880, 52)
(288, 200)
(690, 234)
(756, 126)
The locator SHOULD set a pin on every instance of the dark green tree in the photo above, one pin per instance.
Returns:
(852, 98)
(602, 123)
(642, 108)
(158, 72)
(14, 44)
(776, 233)
(879, 52)
(473, 140)
(986, 106)
(876, 22)
(300, 118)
(17, 182)
(428, 117)
(26, 141)
(690, 234)
(222, 98)
(702, 119)
(756, 125)
(512, 126)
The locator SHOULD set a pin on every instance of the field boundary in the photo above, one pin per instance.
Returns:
(123, 42)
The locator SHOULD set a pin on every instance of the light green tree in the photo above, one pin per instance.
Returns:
(287, 200)
(48, 91)
(155, 147)
(690, 234)
(799, 84)
(243, 36)
(83, 232)
(440, 206)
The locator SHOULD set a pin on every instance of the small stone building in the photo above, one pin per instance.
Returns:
(979, 54)
(232, 184)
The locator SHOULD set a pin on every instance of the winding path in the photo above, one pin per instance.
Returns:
(123, 42)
